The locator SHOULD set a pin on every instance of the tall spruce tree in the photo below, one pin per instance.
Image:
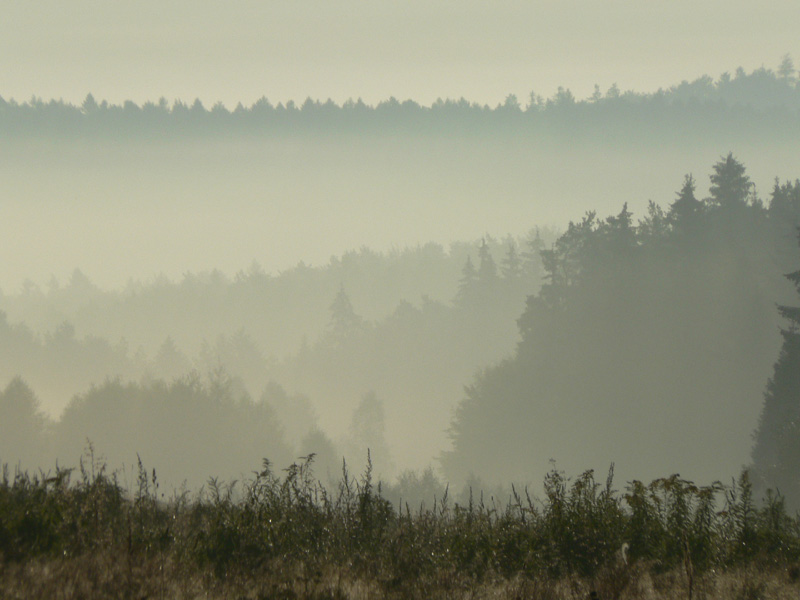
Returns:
(730, 186)
(686, 211)
(776, 452)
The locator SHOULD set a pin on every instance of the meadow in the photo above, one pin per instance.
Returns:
(282, 534)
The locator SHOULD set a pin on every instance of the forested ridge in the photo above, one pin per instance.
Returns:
(763, 101)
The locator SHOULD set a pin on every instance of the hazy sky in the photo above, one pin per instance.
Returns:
(232, 202)
(239, 50)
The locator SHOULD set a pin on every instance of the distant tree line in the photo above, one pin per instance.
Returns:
(184, 427)
(763, 100)
(402, 324)
(413, 358)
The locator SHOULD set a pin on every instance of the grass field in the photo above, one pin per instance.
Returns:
(81, 535)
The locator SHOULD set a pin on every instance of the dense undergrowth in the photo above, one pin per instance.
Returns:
(285, 535)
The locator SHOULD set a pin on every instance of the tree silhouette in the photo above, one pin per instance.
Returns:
(686, 211)
(637, 320)
(730, 187)
(620, 232)
(776, 453)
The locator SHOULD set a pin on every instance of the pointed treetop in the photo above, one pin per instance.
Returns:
(689, 186)
(730, 186)
(620, 229)
(686, 207)
(89, 105)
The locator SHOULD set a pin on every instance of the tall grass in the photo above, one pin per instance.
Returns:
(287, 529)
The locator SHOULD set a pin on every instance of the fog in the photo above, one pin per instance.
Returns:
(121, 211)
(471, 289)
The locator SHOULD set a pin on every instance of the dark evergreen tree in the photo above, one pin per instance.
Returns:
(776, 453)
(730, 186)
(563, 263)
(686, 212)
(620, 232)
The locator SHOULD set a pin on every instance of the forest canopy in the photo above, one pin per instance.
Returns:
(763, 100)
(648, 345)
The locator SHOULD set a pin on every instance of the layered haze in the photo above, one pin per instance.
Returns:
(122, 211)
(446, 233)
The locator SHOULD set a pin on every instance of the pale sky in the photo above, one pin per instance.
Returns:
(240, 50)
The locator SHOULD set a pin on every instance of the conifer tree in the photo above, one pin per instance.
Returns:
(776, 453)
(730, 186)
(685, 212)
(620, 231)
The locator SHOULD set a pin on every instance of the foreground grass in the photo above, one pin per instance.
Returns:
(109, 577)
(68, 536)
